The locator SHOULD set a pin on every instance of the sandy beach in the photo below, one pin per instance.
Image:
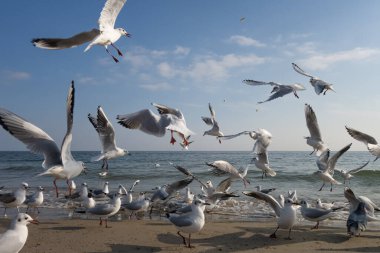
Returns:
(77, 235)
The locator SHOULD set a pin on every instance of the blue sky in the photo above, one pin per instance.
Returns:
(185, 54)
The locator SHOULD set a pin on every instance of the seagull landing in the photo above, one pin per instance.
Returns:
(106, 34)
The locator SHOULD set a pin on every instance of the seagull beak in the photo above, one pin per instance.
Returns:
(36, 222)
(128, 35)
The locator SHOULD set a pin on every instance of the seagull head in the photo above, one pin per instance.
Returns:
(124, 32)
(24, 186)
(24, 219)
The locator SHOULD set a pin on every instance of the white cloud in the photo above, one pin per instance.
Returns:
(16, 75)
(181, 50)
(323, 61)
(245, 41)
(156, 86)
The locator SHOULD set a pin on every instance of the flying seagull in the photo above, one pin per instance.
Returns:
(315, 138)
(211, 121)
(58, 163)
(369, 141)
(318, 84)
(106, 34)
(279, 90)
(107, 138)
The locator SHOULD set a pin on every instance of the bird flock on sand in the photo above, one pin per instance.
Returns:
(187, 215)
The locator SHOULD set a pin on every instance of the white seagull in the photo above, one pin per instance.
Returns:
(189, 222)
(369, 141)
(326, 166)
(286, 214)
(211, 121)
(169, 119)
(106, 34)
(315, 214)
(354, 201)
(347, 174)
(13, 240)
(35, 200)
(103, 211)
(224, 167)
(315, 138)
(279, 90)
(141, 204)
(357, 220)
(318, 84)
(14, 199)
(58, 163)
(106, 134)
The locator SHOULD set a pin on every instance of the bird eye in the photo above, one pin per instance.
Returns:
(26, 218)
(19, 220)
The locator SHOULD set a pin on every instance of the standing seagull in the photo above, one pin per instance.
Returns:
(357, 220)
(169, 119)
(189, 222)
(315, 214)
(326, 166)
(318, 84)
(315, 138)
(286, 214)
(369, 141)
(107, 138)
(279, 90)
(14, 199)
(106, 35)
(59, 164)
(105, 210)
(214, 131)
(35, 200)
(13, 240)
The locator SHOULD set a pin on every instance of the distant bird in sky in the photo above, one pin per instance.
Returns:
(347, 174)
(106, 34)
(326, 165)
(211, 121)
(242, 19)
(279, 90)
(371, 143)
(168, 119)
(15, 198)
(286, 214)
(315, 138)
(14, 239)
(106, 134)
(58, 163)
(318, 84)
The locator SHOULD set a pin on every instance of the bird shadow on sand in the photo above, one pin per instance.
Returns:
(68, 228)
(122, 248)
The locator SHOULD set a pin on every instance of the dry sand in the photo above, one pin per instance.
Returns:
(77, 235)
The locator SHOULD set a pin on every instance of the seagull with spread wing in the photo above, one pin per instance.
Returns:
(211, 121)
(371, 143)
(107, 138)
(318, 84)
(106, 34)
(58, 163)
(168, 119)
(315, 138)
(279, 90)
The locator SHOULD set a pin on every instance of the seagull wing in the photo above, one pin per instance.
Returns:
(66, 143)
(301, 71)
(7, 198)
(259, 83)
(267, 198)
(163, 109)
(312, 123)
(144, 120)
(231, 136)
(35, 139)
(353, 171)
(323, 159)
(224, 185)
(109, 14)
(212, 112)
(188, 173)
(178, 185)
(282, 91)
(62, 43)
(332, 161)
(208, 121)
(224, 167)
(357, 135)
(106, 131)
(181, 220)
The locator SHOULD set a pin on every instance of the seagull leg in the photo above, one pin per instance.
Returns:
(118, 51)
(113, 57)
(295, 94)
(273, 235)
(288, 238)
(100, 221)
(172, 140)
(107, 223)
(183, 238)
(5, 212)
(331, 188)
(27, 209)
(38, 210)
(56, 188)
(316, 226)
(189, 246)
(68, 184)
(322, 187)
(312, 152)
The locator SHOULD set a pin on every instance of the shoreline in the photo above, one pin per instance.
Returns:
(81, 235)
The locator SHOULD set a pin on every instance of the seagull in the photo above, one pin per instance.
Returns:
(326, 165)
(59, 164)
(315, 214)
(167, 190)
(189, 222)
(103, 211)
(286, 214)
(224, 167)
(101, 193)
(79, 195)
(266, 191)
(107, 138)
(315, 138)
(189, 197)
(35, 200)
(369, 141)
(214, 131)
(140, 204)
(261, 162)
(14, 199)
(325, 206)
(347, 174)
(13, 240)
(354, 201)
(106, 34)
(168, 119)
(357, 220)
(318, 84)
(279, 90)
